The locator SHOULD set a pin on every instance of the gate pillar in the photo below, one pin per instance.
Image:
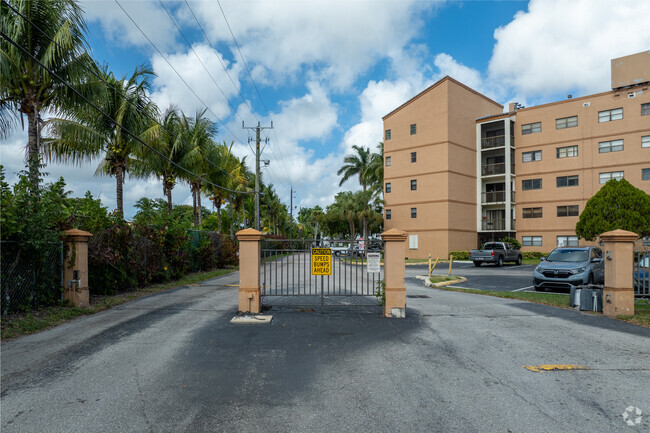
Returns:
(394, 270)
(249, 270)
(75, 268)
(618, 293)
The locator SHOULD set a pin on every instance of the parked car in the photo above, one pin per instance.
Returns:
(497, 253)
(570, 266)
(641, 276)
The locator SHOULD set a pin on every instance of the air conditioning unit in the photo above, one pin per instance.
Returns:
(586, 104)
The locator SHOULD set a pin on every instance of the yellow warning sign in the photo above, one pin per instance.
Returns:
(321, 261)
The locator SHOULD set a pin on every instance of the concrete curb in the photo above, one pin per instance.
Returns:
(258, 319)
(428, 282)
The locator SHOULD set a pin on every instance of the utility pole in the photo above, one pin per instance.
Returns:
(291, 212)
(257, 129)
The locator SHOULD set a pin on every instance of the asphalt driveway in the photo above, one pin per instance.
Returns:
(172, 362)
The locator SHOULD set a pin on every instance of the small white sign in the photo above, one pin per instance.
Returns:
(374, 260)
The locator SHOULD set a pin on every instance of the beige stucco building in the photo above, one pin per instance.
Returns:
(459, 171)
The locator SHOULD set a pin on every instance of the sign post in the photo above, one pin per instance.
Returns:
(374, 262)
(321, 264)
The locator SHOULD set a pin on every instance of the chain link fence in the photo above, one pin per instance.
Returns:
(29, 278)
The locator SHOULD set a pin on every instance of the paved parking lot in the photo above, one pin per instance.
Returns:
(509, 278)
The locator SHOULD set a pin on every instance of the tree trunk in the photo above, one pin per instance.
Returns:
(167, 190)
(218, 206)
(33, 149)
(199, 210)
(232, 223)
(119, 182)
(194, 221)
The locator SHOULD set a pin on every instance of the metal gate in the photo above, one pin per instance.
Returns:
(285, 274)
(641, 273)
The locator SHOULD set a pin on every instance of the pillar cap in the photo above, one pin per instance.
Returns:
(394, 235)
(76, 235)
(249, 235)
(619, 235)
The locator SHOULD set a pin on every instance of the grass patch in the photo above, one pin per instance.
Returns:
(531, 261)
(30, 322)
(442, 278)
(641, 313)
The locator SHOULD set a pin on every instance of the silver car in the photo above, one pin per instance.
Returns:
(570, 266)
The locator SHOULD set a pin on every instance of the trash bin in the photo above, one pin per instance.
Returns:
(574, 297)
(590, 299)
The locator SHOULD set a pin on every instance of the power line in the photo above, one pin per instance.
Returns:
(255, 86)
(199, 59)
(177, 73)
(65, 83)
(99, 77)
(221, 61)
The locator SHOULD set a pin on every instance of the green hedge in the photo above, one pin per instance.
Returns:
(460, 255)
(464, 255)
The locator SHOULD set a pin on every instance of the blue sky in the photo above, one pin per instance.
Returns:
(327, 71)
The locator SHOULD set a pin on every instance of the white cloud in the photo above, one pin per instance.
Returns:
(336, 40)
(560, 45)
(117, 27)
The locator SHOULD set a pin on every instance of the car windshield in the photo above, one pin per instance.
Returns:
(568, 255)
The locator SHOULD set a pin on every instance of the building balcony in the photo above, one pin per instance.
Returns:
(496, 197)
(493, 169)
(497, 141)
(498, 225)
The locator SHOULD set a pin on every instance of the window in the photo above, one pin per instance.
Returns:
(532, 212)
(387, 187)
(567, 241)
(414, 185)
(645, 174)
(387, 135)
(413, 129)
(564, 211)
(645, 141)
(414, 156)
(609, 115)
(563, 181)
(531, 241)
(645, 109)
(413, 242)
(531, 128)
(388, 214)
(610, 146)
(567, 152)
(414, 212)
(566, 122)
(388, 161)
(535, 155)
(605, 177)
(531, 184)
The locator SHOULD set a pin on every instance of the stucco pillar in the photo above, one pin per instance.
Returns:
(618, 293)
(76, 286)
(249, 270)
(394, 269)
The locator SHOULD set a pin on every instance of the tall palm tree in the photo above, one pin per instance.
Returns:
(197, 134)
(217, 175)
(25, 86)
(85, 134)
(165, 136)
(356, 165)
(375, 173)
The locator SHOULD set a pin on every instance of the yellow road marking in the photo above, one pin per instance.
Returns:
(232, 285)
(553, 367)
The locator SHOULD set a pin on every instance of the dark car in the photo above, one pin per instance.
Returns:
(641, 275)
(570, 266)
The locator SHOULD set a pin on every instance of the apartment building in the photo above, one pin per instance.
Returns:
(533, 169)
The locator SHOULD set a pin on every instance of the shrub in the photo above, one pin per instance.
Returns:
(515, 243)
(533, 254)
(460, 255)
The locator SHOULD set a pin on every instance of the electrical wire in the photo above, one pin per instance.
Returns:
(177, 73)
(65, 83)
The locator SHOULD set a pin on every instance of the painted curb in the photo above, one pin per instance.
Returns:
(428, 282)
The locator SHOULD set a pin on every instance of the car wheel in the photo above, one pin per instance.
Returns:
(336, 253)
(590, 280)
(539, 289)
(477, 264)
(518, 261)
(500, 262)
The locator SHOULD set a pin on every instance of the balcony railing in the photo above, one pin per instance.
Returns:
(496, 197)
(492, 169)
(496, 225)
(497, 141)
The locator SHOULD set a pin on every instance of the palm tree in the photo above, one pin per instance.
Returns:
(165, 136)
(25, 86)
(197, 134)
(356, 165)
(85, 134)
(217, 175)
(375, 173)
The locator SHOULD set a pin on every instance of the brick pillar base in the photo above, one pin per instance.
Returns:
(249, 271)
(76, 259)
(618, 293)
(394, 270)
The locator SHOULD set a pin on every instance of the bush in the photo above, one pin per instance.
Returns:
(533, 254)
(515, 243)
(460, 255)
